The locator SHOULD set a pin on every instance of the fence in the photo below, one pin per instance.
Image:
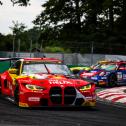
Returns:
(70, 59)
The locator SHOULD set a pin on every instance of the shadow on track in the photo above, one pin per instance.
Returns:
(63, 108)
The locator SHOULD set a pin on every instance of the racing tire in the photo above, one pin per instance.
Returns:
(16, 95)
(112, 80)
(0, 85)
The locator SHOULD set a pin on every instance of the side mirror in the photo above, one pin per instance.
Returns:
(13, 71)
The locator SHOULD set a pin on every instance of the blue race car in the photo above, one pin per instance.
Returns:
(109, 74)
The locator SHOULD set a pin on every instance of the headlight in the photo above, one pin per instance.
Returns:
(86, 87)
(34, 87)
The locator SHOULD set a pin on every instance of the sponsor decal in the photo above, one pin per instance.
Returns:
(104, 78)
(107, 73)
(33, 99)
(94, 78)
(119, 75)
(53, 81)
(26, 81)
(89, 97)
(124, 76)
(56, 95)
(87, 74)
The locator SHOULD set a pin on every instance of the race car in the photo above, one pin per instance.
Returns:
(111, 73)
(99, 63)
(77, 69)
(38, 82)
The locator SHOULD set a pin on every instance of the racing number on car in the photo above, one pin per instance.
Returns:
(119, 76)
(124, 76)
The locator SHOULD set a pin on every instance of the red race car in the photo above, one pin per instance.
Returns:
(36, 82)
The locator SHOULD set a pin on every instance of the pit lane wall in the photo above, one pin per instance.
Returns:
(70, 59)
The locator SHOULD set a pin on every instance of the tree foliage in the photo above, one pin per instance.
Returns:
(85, 21)
(75, 24)
(19, 2)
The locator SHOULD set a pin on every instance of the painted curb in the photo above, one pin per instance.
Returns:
(115, 96)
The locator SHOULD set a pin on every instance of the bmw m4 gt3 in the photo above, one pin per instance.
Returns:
(38, 82)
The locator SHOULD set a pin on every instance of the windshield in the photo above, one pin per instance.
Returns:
(106, 67)
(58, 69)
(32, 68)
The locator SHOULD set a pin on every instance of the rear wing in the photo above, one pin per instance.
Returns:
(5, 63)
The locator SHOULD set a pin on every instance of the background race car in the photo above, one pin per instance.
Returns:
(33, 82)
(109, 74)
(77, 68)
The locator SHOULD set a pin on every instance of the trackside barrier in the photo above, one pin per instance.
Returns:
(67, 58)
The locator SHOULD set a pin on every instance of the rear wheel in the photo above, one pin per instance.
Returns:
(16, 95)
(112, 80)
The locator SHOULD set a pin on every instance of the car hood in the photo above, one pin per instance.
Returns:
(51, 80)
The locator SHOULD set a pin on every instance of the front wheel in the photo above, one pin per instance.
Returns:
(112, 80)
(16, 95)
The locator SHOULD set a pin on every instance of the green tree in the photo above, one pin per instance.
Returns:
(6, 42)
(84, 21)
(19, 2)
(19, 35)
(75, 24)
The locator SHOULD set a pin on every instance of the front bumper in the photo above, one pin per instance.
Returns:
(98, 80)
(35, 99)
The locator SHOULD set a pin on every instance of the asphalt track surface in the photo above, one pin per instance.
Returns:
(102, 115)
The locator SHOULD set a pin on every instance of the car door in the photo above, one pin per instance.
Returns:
(121, 73)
